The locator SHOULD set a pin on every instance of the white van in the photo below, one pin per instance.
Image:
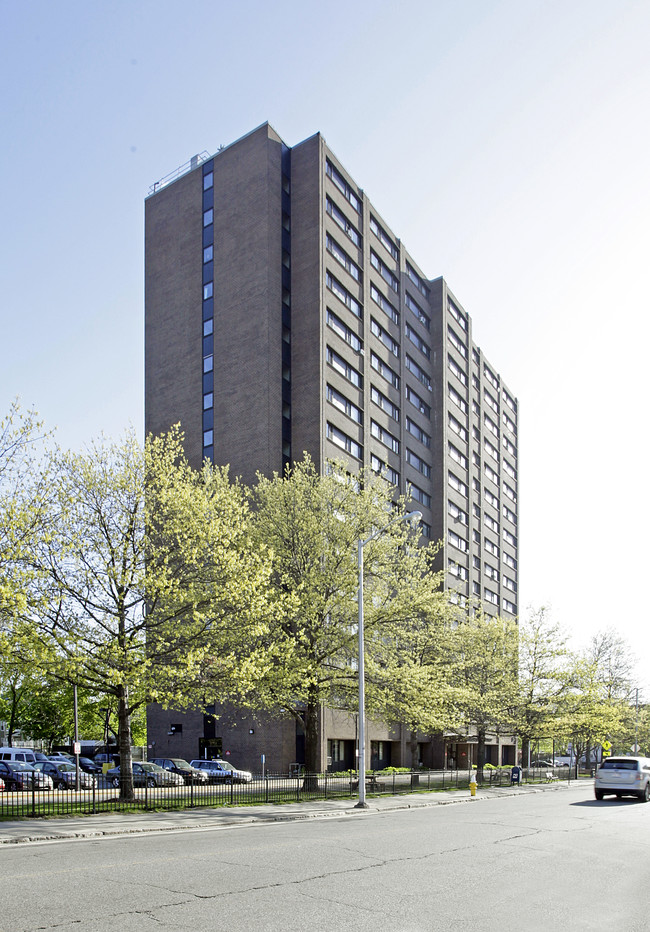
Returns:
(24, 755)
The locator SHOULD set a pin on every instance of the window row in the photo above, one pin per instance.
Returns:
(343, 186)
(342, 221)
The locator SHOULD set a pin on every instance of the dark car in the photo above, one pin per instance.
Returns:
(89, 766)
(146, 774)
(20, 776)
(64, 775)
(182, 768)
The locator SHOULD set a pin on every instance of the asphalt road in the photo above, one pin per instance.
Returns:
(549, 860)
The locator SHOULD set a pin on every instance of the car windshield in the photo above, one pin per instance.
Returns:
(19, 765)
(149, 767)
(614, 764)
(66, 768)
(181, 764)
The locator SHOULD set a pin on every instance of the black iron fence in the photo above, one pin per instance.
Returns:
(104, 797)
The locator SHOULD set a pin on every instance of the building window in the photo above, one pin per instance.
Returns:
(491, 401)
(490, 376)
(510, 470)
(385, 337)
(383, 237)
(458, 372)
(417, 281)
(455, 569)
(491, 450)
(342, 185)
(342, 258)
(208, 290)
(456, 455)
(208, 401)
(344, 368)
(458, 315)
(491, 547)
(417, 402)
(384, 470)
(491, 572)
(208, 438)
(457, 428)
(456, 342)
(490, 473)
(415, 308)
(417, 432)
(457, 484)
(344, 442)
(208, 363)
(208, 327)
(208, 217)
(208, 180)
(457, 541)
(510, 606)
(418, 463)
(343, 404)
(491, 426)
(457, 400)
(208, 253)
(384, 271)
(491, 596)
(419, 373)
(509, 561)
(510, 492)
(342, 221)
(509, 538)
(419, 495)
(384, 370)
(384, 436)
(343, 331)
(384, 403)
(456, 513)
(489, 521)
(425, 529)
(509, 423)
(509, 583)
(509, 401)
(509, 445)
(510, 515)
(384, 304)
(417, 341)
(490, 498)
(343, 294)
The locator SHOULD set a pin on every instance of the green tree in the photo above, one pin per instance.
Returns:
(543, 656)
(23, 496)
(147, 587)
(312, 523)
(485, 666)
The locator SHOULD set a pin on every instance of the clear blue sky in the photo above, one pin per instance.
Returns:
(507, 144)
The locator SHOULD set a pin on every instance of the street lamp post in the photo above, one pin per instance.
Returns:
(411, 516)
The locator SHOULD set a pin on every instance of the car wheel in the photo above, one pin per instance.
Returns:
(151, 783)
(116, 782)
(599, 794)
(644, 796)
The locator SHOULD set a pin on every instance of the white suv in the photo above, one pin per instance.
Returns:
(623, 776)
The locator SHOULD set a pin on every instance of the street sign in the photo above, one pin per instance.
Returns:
(606, 745)
(76, 748)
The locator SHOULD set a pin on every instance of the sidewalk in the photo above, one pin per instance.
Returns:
(115, 823)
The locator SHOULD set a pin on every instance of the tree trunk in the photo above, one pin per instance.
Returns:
(312, 745)
(12, 718)
(413, 747)
(124, 744)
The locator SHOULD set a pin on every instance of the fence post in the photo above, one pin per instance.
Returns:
(191, 791)
(266, 788)
(33, 796)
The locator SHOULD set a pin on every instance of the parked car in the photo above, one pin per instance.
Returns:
(542, 764)
(146, 774)
(61, 756)
(623, 776)
(64, 775)
(18, 775)
(220, 771)
(112, 759)
(189, 773)
(26, 755)
(89, 766)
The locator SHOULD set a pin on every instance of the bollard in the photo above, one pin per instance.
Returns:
(472, 783)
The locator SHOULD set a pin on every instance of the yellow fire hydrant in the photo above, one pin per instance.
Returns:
(472, 783)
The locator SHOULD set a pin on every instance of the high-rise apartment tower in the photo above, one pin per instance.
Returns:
(283, 315)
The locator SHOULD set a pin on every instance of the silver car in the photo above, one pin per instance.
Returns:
(145, 774)
(623, 776)
(220, 771)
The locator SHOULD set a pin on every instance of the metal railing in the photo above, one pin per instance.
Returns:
(104, 797)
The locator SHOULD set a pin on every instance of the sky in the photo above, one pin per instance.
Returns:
(507, 143)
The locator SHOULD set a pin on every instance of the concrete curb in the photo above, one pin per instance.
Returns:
(74, 828)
